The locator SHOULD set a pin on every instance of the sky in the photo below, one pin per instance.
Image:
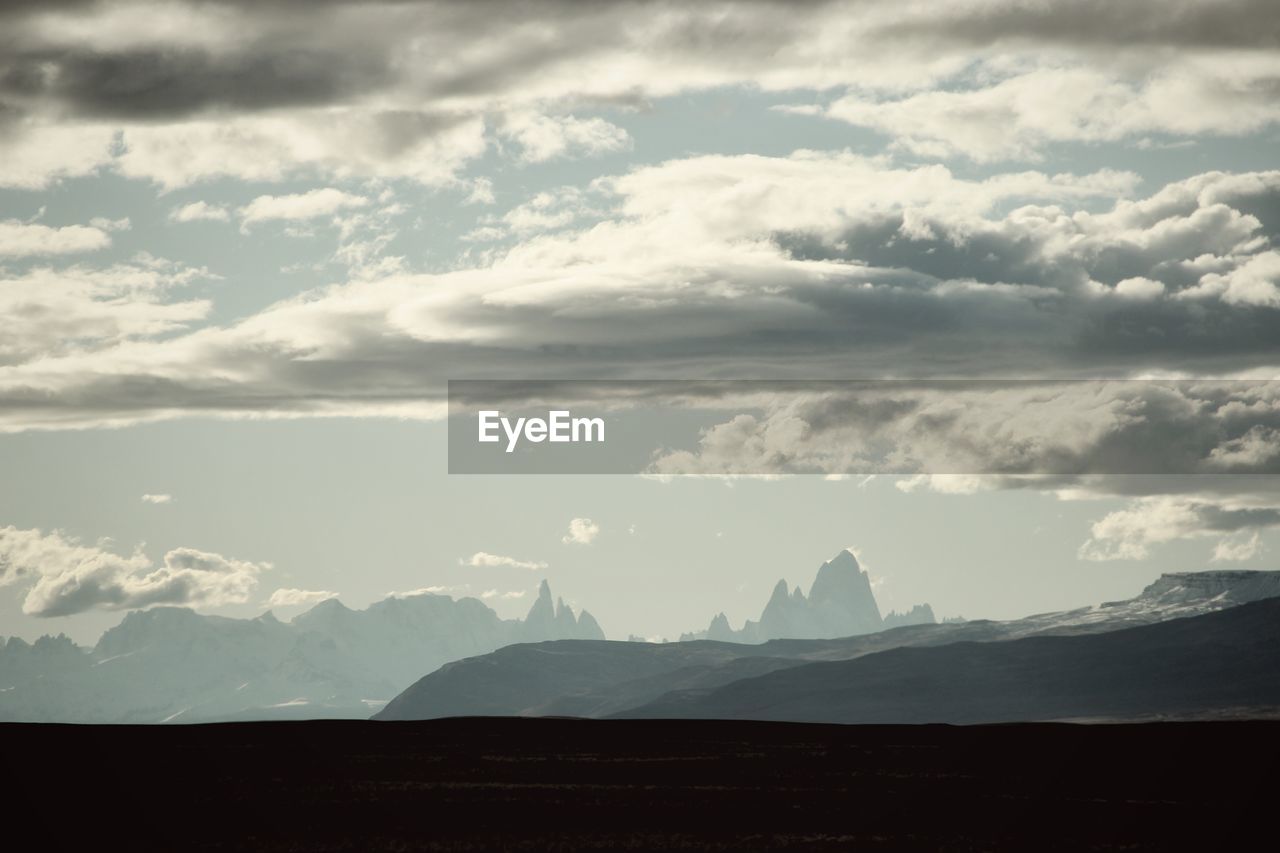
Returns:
(244, 246)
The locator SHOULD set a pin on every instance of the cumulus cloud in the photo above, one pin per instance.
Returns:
(1128, 534)
(27, 239)
(483, 559)
(157, 499)
(582, 531)
(543, 137)
(299, 207)
(200, 211)
(291, 597)
(67, 577)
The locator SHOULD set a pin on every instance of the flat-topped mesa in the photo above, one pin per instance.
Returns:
(1235, 586)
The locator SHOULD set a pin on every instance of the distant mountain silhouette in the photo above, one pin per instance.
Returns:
(172, 664)
(840, 603)
(1218, 662)
(598, 679)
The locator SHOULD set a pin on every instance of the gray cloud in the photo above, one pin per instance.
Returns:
(1072, 430)
(923, 278)
(76, 70)
(1097, 23)
(163, 83)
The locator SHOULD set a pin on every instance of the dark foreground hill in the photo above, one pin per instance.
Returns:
(1181, 668)
(568, 785)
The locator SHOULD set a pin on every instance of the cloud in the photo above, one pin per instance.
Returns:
(200, 211)
(1128, 534)
(506, 596)
(1070, 429)
(47, 312)
(418, 90)
(926, 274)
(340, 144)
(157, 499)
(25, 239)
(302, 206)
(1237, 548)
(482, 559)
(481, 192)
(67, 577)
(430, 590)
(290, 597)
(36, 153)
(582, 531)
(543, 137)
(1018, 116)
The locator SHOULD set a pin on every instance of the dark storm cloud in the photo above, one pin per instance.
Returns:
(306, 53)
(1090, 23)
(162, 83)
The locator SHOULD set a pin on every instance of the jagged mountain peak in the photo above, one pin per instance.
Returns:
(840, 603)
(780, 591)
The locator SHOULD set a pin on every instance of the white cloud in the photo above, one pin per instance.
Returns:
(157, 499)
(47, 312)
(1130, 533)
(1252, 280)
(481, 192)
(105, 224)
(337, 143)
(510, 595)
(35, 154)
(436, 589)
(582, 531)
(1016, 117)
(290, 597)
(545, 137)
(67, 577)
(1238, 548)
(200, 211)
(25, 239)
(482, 559)
(298, 207)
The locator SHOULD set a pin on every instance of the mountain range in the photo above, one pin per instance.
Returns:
(840, 603)
(603, 679)
(170, 664)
